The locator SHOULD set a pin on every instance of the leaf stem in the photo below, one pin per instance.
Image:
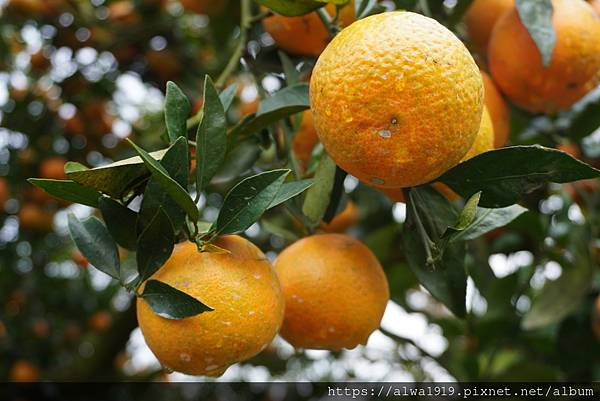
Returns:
(427, 242)
(245, 22)
(328, 22)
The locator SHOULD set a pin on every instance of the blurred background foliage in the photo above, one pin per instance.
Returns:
(77, 77)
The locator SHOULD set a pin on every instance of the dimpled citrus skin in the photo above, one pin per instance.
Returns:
(481, 17)
(305, 35)
(335, 292)
(516, 63)
(485, 137)
(499, 111)
(241, 287)
(396, 99)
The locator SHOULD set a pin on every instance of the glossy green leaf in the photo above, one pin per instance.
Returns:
(211, 138)
(318, 196)
(120, 221)
(238, 162)
(505, 175)
(443, 275)
(155, 245)
(292, 77)
(248, 200)
(291, 189)
(171, 303)
(465, 218)
(173, 188)
(487, 220)
(227, 96)
(95, 243)
(293, 8)
(176, 163)
(290, 100)
(68, 190)
(536, 15)
(364, 8)
(71, 167)
(585, 122)
(177, 110)
(115, 179)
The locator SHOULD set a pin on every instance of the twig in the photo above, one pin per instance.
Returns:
(327, 21)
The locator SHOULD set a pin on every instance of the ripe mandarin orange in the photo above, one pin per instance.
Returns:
(396, 99)
(343, 221)
(53, 168)
(498, 109)
(4, 193)
(305, 140)
(33, 218)
(485, 137)
(516, 63)
(241, 287)
(481, 17)
(335, 292)
(305, 35)
(24, 371)
(209, 7)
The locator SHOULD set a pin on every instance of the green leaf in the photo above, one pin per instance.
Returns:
(337, 192)
(291, 74)
(291, 189)
(505, 175)
(176, 191)
(318, 196)
(115, 179)
(585, 122)
(177, 110)
(175, 161)
(170, 303)
(227, 96)
(95, 243)
(465, 218)
(211, 138)
(155, 245)
(68, 190)
(248, 200)
(276, 229)
(120, 221)
(238, 161)
(290, 100)
(291, 8)
(443, 275)
(536, 15)
(71, 167)
(487, 220)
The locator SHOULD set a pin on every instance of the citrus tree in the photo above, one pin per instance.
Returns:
(308, 164)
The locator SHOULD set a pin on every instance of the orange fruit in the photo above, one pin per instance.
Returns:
(40, 328)
(123, 12)
(481, 17)
(396, 99)
(100, 321)
(209, 7)
(343, 221)
(165, 64)
(335, 292)
(305, 140)
(24, 371)
(570, 148)
(396, 194)
(33, 218)
(241, 287)
(484, 140)
(499, 111)
(516, 63)
(4, 193)
(53, 168)
(305, 35)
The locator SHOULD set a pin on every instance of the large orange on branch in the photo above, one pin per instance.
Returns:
(396, 99)
(481, 17)
(242, 288)
(335, 292)
(498, 109)
(516, 63)
(305, 35)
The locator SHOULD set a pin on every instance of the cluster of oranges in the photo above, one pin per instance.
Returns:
(396, 99)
